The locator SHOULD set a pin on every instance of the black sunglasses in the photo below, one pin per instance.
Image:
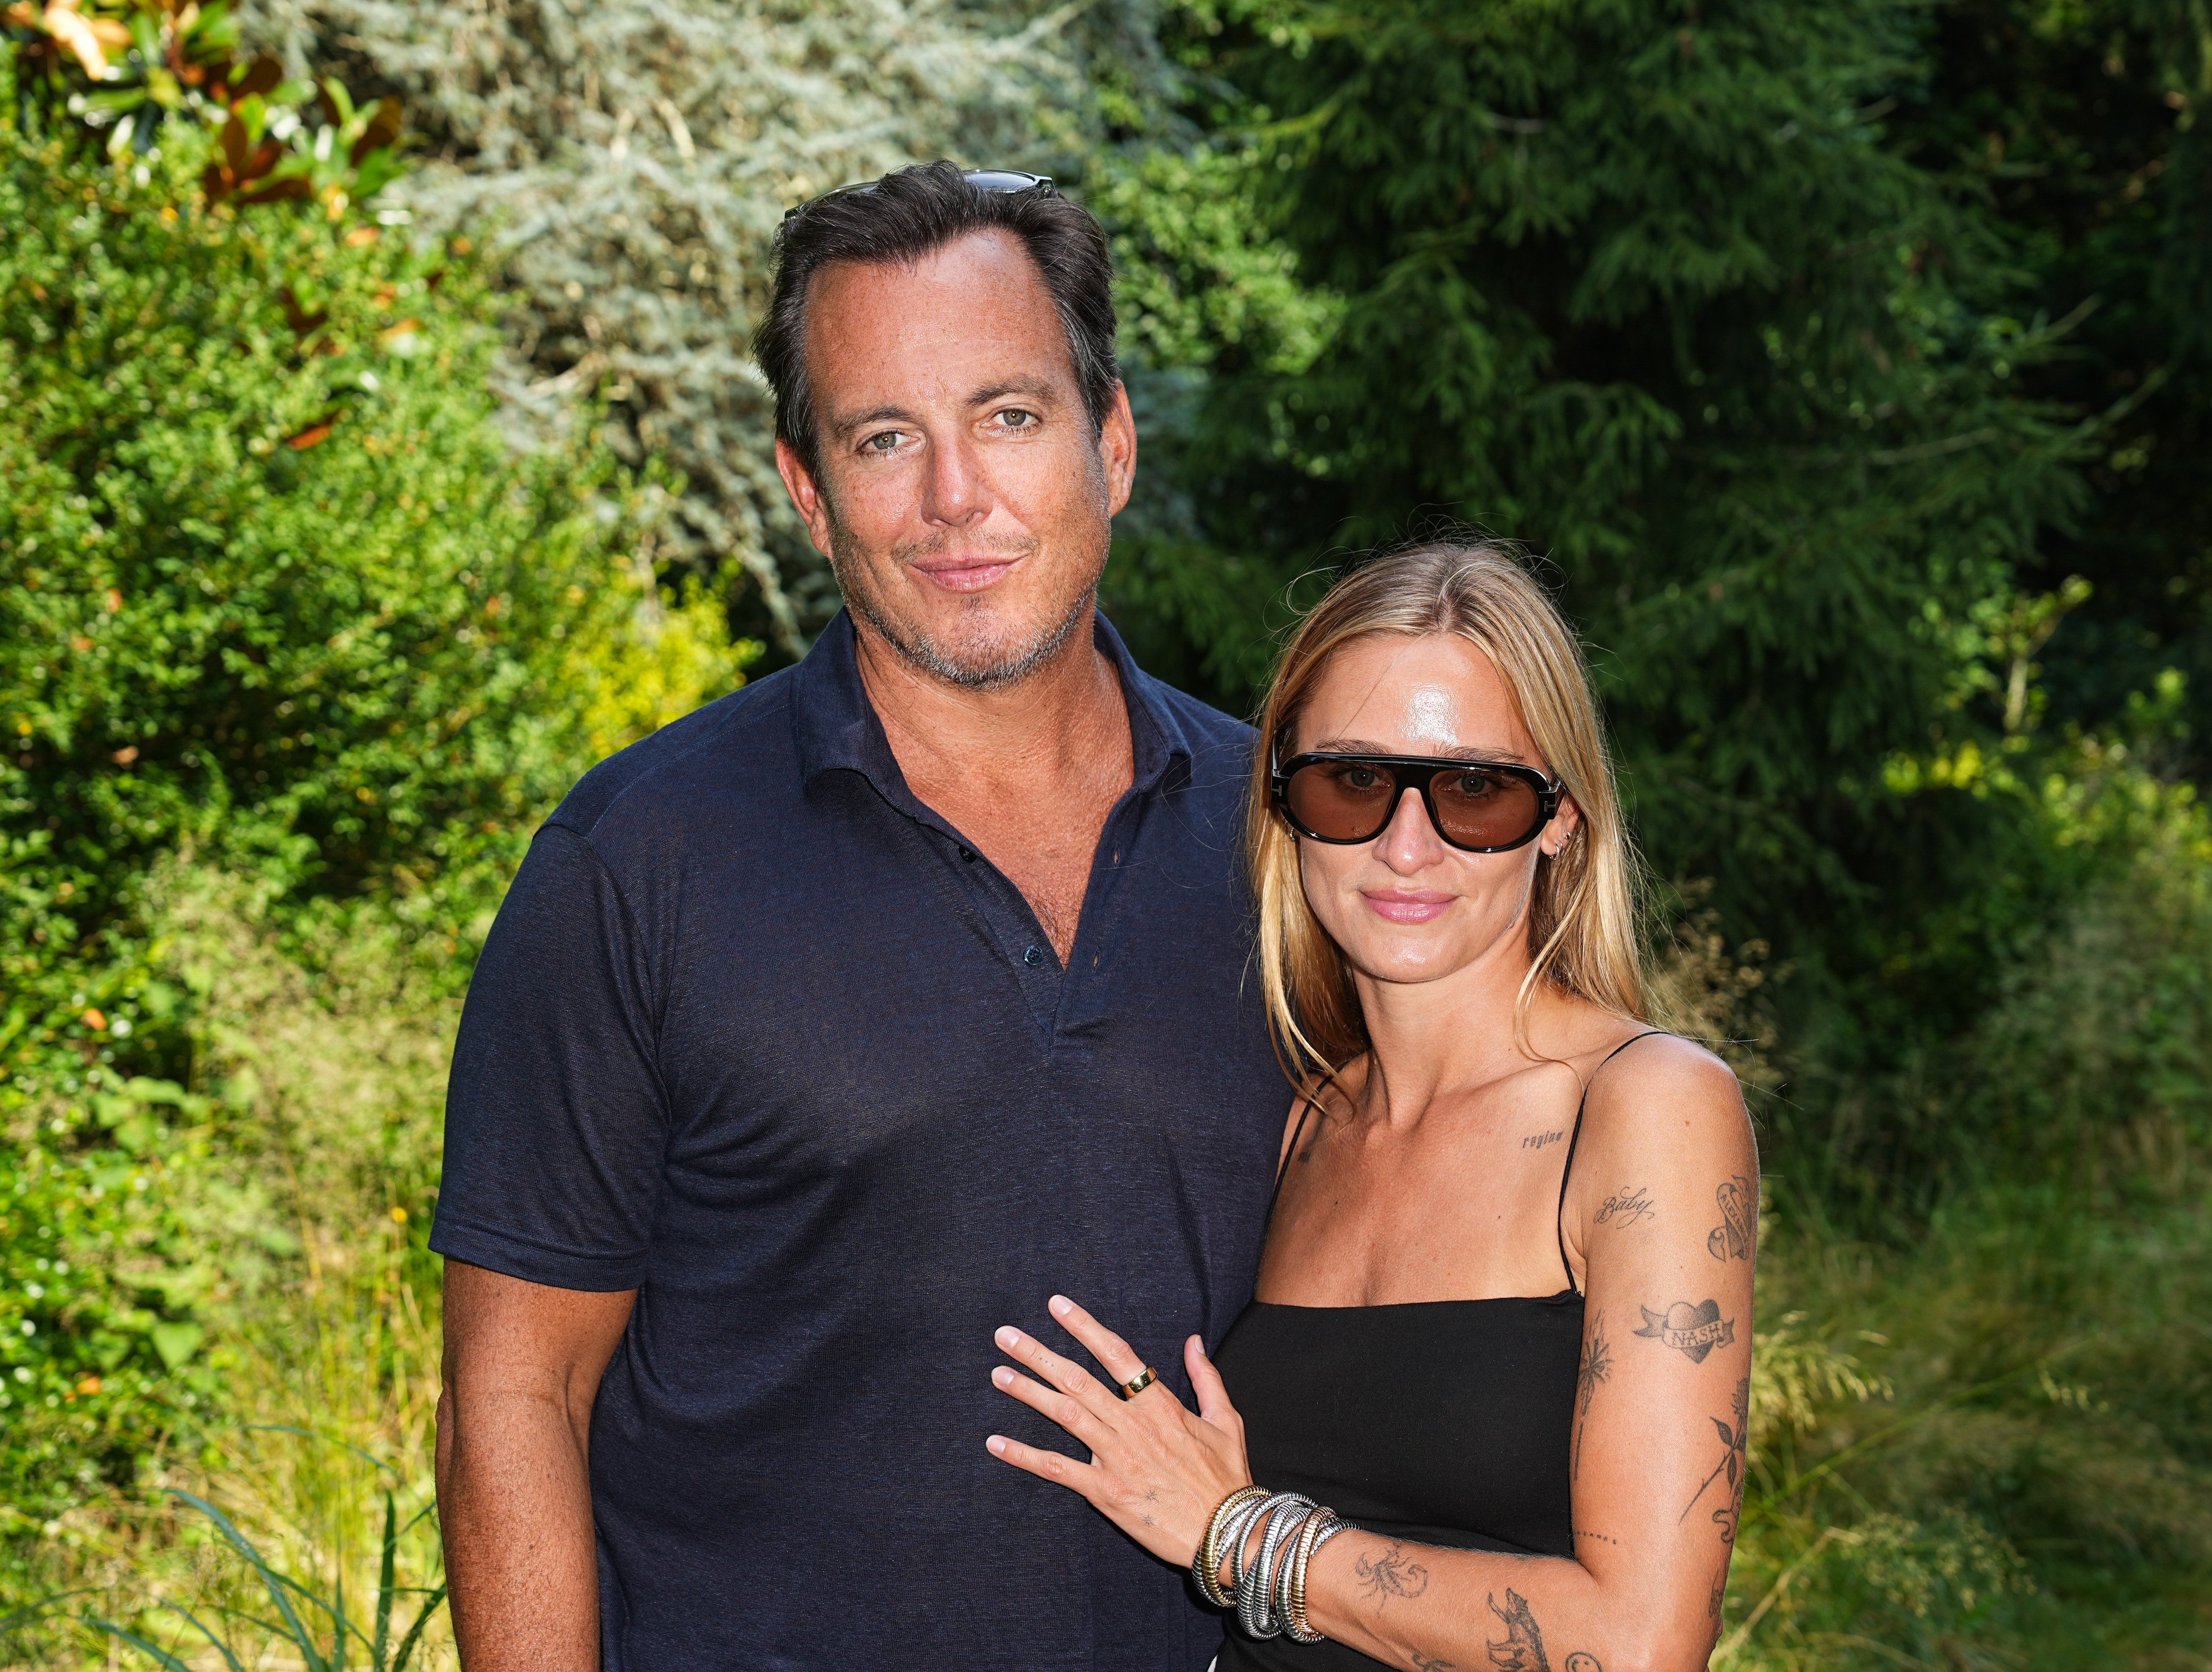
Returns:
(1477, 806)
(1004, 180)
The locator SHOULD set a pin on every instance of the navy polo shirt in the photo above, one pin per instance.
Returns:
(757, 1035)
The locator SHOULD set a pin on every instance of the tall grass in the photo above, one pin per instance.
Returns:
(1986, 1438)
(326, 1350)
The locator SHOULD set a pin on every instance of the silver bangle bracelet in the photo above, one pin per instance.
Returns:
(1238, 1533)
(1286, 1565)
(1323, 1527)
(1255, 1588)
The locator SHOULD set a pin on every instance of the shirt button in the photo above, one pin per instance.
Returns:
(1033, 957)
(969, 854)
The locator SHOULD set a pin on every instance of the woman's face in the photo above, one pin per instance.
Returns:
(1408, 906)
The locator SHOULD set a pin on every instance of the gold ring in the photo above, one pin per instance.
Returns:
(1137, 1384)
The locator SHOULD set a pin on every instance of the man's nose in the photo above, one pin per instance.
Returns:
(955, 492)
(1409, 843)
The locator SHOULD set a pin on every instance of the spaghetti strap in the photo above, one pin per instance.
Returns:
(1283, 1166)
(1557, 1229)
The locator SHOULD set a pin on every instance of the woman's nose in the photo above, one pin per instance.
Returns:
(1409, 842)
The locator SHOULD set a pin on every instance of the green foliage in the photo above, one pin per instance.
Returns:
(274, 586)
(275, 592)
(2078, 132)
(2010, 1471)
(98, 1283)
(303, 1613)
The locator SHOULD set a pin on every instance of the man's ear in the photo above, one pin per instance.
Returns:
(1117, 451)
(806, 496)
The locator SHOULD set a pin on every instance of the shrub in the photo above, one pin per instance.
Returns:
(280, 599)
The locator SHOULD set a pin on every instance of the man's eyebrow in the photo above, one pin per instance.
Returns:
(1462, 752)
(1038, 388)
(880, 414)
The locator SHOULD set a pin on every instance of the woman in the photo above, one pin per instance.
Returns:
(1493, 1389)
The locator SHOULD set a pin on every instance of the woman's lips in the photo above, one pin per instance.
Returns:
(1407, 905)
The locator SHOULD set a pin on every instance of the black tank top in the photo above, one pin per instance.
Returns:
(1440, 1421)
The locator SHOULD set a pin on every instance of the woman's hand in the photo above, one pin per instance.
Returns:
(1156, 1471)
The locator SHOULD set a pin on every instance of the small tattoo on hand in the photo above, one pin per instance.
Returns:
(1731, 1238)
(1625, 1208)
(1583, 1661)
(1692, 1331)
(1537, 1140)
(1430, 1663)
(1391, 1574)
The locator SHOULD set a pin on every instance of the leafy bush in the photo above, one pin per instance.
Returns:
(279, 604)
(274, 585)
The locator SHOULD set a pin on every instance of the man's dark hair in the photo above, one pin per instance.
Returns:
(904, 216)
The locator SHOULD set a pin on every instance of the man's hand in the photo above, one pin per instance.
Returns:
(522, 1366)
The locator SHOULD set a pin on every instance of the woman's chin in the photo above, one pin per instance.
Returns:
(1407, 958)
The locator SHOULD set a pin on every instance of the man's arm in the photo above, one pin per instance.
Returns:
(522, 1366)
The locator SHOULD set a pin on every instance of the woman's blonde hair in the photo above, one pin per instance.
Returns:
(1585, 929)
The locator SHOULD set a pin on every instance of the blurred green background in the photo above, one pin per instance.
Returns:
(378, 449)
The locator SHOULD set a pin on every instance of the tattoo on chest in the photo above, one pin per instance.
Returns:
(1731, 1238)
(1692, 1331)
(1625, 1208)
(1539, 1140)
(1736, 1440)
(1390, 1574)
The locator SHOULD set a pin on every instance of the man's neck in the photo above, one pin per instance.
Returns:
(1052, 720)
(1026, 772)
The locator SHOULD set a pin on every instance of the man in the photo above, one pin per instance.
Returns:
(850, 1018)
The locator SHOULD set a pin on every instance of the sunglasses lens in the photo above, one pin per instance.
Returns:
(1342, 801)
(1485, 809)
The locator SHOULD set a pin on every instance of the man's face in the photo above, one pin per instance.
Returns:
(962, 493)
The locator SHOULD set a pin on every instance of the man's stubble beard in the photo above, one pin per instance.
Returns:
(990, 666)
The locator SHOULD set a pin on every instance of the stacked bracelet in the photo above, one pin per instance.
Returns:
(1321, 1527)
(1206, 1566)
(1269, 1593)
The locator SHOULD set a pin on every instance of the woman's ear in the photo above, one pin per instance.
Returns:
(1561, 830)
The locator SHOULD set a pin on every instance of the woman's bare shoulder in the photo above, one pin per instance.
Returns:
(1668, 1100)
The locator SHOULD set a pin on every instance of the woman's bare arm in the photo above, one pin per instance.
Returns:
(1662, 1209)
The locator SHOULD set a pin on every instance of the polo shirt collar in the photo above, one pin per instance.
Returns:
(836, 727)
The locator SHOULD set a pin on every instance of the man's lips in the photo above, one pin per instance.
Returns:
(967, 575)
(1407, 905)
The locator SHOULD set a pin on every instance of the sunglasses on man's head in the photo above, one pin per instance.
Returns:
(1477, 806)
(1004, 180)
